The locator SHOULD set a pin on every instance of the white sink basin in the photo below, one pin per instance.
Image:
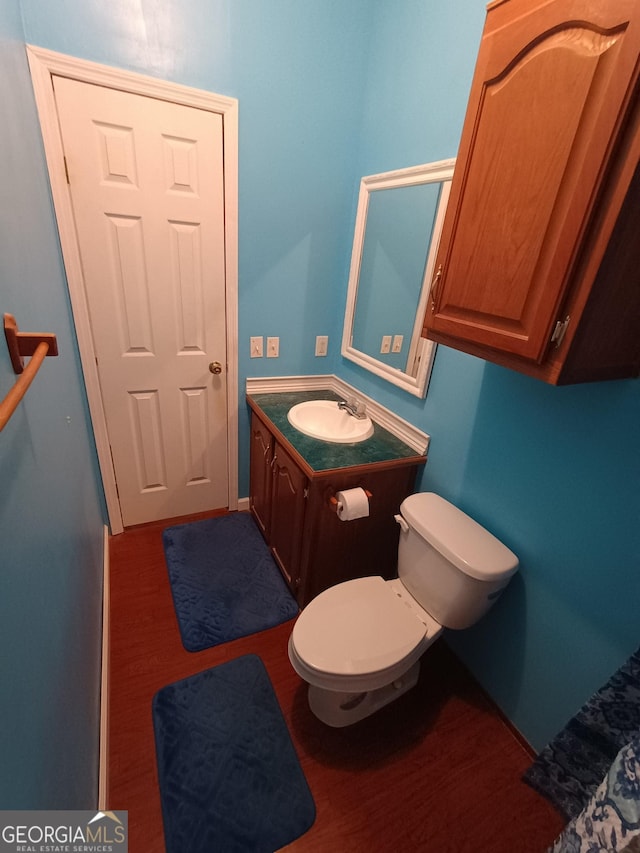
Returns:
(324, 420)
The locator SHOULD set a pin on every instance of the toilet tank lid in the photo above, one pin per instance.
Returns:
(459, 538)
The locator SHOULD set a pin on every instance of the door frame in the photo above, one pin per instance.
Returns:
(45, 63)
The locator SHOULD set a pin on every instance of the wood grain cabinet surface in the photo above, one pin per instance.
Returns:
(539, 259)
(260, 474)
(292, 505)
(288, 498)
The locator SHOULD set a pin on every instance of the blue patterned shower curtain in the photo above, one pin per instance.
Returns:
(591, 770)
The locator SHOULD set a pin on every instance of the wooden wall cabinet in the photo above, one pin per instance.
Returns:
(538, 261)
(292, 506)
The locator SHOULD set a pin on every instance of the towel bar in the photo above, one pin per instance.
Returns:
(38, 346)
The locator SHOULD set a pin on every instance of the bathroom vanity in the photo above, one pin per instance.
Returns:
(293, 483)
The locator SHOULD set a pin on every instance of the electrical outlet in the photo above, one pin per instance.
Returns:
(322, 344)
(256, 347)
(386, 344)
(273, 347)
(397, 343)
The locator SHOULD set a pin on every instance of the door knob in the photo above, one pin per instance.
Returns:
(215, 367)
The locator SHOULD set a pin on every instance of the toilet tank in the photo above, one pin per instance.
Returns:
(451, 565)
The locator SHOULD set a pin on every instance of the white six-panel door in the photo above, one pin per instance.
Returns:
(146, 182)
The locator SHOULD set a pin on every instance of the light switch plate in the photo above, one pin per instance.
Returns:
(256, 348)
(273, 347)
(322, 344)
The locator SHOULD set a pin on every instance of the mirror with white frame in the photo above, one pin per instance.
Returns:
(397, 230)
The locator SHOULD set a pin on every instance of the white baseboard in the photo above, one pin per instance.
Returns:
(243, 504)
(103, 776)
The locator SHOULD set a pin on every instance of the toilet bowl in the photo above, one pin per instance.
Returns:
(358, 644)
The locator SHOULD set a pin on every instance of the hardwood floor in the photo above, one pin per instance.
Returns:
(438, 770)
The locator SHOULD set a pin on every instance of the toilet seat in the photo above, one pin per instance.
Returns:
(360, 634)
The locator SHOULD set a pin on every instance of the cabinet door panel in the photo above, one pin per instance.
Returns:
(261, 454)
(287, 514)
(544, 113)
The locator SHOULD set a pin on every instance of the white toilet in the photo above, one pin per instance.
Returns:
(359, 643)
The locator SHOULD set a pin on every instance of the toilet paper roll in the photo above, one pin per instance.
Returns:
(352, 503)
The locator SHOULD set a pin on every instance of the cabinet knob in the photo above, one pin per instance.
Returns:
(215, 367)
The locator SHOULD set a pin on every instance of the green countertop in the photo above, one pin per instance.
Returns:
(383, 446)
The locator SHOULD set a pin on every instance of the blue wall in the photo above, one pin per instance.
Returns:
(298, 72)
(553, 472)
(51, 513)
(330, 91)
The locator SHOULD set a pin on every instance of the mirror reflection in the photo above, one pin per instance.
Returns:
(397, 229)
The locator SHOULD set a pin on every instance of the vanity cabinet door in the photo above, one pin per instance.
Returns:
(288, 501)
(261, 455)
(550, 140)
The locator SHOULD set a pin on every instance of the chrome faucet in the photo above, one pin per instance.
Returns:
(353, 408)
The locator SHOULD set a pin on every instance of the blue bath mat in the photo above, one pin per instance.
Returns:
(224, 581)
(230, 780)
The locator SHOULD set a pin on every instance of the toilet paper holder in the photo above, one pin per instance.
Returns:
(333, 501)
